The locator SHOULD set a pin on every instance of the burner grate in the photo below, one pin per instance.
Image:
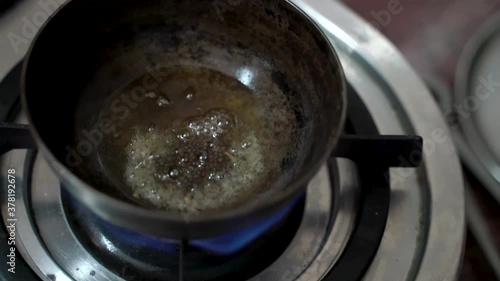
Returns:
(152, 258)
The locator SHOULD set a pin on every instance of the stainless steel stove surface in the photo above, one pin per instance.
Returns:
(349, 225)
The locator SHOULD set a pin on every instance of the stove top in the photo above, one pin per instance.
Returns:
(349, 226)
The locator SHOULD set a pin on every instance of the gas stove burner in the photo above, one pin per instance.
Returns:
(93, 255)
(154, 258)
(225, 245)
(352, 223)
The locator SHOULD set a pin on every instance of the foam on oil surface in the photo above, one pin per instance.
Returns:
(203, 141)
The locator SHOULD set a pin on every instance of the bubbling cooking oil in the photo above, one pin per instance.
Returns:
(202, 140)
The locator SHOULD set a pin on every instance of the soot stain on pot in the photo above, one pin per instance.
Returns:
(319, 42)
(173, 27)
(168, 35)
(287, 163)
(291, 28)
(199, 54)
(121, 34)
(280, 79)
(241, 46)
(270, 13)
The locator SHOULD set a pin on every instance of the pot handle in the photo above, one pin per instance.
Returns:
(387, 151)
(15, 136)
(381, 151)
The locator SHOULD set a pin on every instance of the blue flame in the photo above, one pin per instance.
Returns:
(139, 240)
(227, 244)
(235, 241)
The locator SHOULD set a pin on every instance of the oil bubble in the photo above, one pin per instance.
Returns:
(174, 173)
(189, 93)
(153, 156)
(151, 95)
(223, 124)
(152, 127)
(163, 102)
(203, 156)
(139, 165)
(183, 137)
